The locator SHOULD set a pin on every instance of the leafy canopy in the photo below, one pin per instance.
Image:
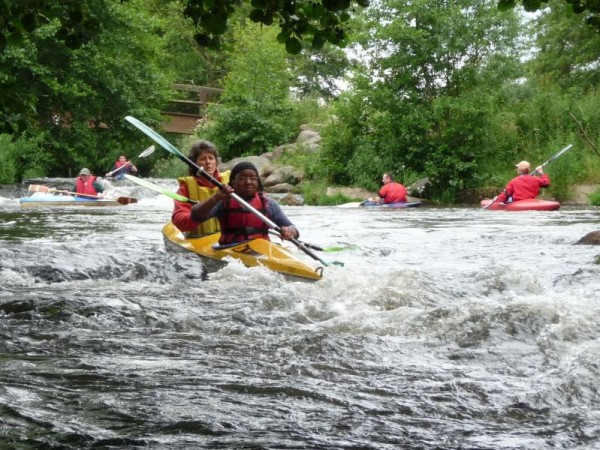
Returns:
(576, 6)
(301, 22)
(314, 21)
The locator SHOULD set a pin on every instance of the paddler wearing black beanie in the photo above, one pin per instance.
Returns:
(237, 223)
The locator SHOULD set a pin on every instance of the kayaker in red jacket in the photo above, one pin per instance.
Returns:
(87, 184)
(524, 186)
(238, 224)
(391, 192)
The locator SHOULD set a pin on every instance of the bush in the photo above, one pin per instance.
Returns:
(8, 166)
(21, 158)
(595, 198)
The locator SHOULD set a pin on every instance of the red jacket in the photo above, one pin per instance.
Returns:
(86, 187)
(238, 224)
(393, 193)
(524, 187)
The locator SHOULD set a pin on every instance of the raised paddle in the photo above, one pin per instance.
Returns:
(200, 171)
(145, 153)
(181, 198)
(568, 147)
(46, 189)
(564, 150)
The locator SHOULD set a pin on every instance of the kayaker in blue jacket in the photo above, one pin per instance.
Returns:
(236, 222)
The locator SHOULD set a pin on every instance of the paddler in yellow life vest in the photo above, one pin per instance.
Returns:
(205, 155)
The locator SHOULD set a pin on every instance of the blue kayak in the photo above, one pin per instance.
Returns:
(368, 204)
(40, 199)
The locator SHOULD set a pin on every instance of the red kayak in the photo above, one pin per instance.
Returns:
(532, 204)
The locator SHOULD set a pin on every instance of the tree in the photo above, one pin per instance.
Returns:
(314, 21)
(568, 51)
(434, 68)
(77, 97)
(574, 6)
(300, 22)
(255, 112)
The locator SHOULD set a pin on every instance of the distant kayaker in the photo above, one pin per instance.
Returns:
(86, 183)
(205, 155)
(122, 167)
(237, 223)
(524, 186)
(391, 191)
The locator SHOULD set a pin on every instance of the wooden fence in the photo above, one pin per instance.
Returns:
(183, 114)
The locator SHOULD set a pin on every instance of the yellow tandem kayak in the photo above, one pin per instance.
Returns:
(256, 252)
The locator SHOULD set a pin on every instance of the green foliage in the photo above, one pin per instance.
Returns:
(169, 168)
(336, 199)
(573, 6)
(8, 165)
(314, 193)
(75, 23)
(318, 72)
(21, 157)
(246, 130)
(74, 97)
(595, 198)
(426, 114)
(256, 112)
(309, 161)
(568, 50)
(302, 20)
(310, 110)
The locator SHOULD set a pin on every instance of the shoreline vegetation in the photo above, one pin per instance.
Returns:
(463, 92)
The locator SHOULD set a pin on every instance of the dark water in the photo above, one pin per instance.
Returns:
(445, 329)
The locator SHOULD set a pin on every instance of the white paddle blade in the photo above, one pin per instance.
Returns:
(38, 188)
(349, 205)
(147, 152)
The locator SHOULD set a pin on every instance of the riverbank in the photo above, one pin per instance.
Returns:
(580, 193)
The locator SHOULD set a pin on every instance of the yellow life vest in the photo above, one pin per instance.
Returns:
(202, 193)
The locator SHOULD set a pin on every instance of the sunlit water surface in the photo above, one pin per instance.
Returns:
(445, 328)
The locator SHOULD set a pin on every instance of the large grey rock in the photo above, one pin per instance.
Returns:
(278, 152)
(350, 192)
(291, 200)
(285, 174)
(308, 136)
(263, 165)
(280, 188)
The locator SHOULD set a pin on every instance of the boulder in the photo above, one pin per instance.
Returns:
(263, 165)
(284, 174)
(291, 200)
(308, 136)
(592, 238)
(280, 188)
(350, 192)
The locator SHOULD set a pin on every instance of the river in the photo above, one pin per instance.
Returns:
(451, 328)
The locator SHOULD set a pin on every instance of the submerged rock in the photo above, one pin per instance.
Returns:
(592, 238)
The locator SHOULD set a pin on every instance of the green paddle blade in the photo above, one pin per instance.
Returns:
(154, 136)
(338, 248)
(159, 189)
